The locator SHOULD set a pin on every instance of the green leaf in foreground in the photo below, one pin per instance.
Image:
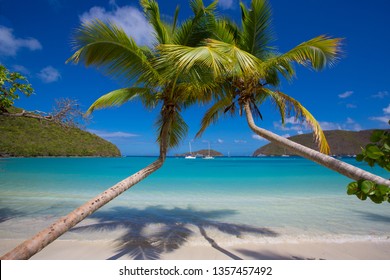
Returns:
(376, 136)
(367, 187)
(352, 188)
(374, 152)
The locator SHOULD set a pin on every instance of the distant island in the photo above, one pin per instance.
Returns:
(29, 137)
(341, 142)
(202, 153)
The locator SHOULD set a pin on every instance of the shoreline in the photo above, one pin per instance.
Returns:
(106, 250)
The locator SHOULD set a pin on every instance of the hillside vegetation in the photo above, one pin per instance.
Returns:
(28, 137)
(341, 143)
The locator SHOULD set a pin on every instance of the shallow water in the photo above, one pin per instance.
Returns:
(233, 200)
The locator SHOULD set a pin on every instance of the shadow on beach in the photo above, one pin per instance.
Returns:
(8, 214)
(269, 255)
(374, 217)
(156, 230)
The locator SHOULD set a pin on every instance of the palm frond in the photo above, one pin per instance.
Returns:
(226, 31)
(316, 53)
(287, 105)
(152, 13)
(216, 111)
(173, 122)
(149, 98)
(256, 28)
(107, 46)
(193, 31)
(241, 63)
(190, 93)
(274, 64)
(199, 8)
(185, 58)
(117, 98)
(175, 18)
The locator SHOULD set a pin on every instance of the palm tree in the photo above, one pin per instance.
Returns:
(156, 84)
(246, 67)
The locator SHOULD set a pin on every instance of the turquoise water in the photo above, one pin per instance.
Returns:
(235, 199)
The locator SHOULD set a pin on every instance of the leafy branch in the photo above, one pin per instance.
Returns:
(377, 152)
(12, 83)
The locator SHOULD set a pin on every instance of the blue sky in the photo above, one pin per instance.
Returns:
(35, 39)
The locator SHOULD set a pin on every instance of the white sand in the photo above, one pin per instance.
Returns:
(101, 250)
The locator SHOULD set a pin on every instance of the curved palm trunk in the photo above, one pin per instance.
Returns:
(341, 167)
(35, 244)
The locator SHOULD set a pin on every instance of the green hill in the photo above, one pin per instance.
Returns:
(341, 143)
(28, 137)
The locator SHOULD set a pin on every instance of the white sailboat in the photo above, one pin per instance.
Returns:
(190, 156)
(285, 154)
(208, 156)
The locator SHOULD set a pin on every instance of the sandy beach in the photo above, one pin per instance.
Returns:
(193, 212)
(104, 250)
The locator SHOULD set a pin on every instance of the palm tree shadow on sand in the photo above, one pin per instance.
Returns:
(155, 230)
(8, 214)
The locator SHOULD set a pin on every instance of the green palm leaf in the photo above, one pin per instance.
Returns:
(287, 105)
(173, 122)
(316, 53)
(227, 31)
(216, 111)
(242, 63)
(256, 28)
(186, 58)
(194, 30)
(107, 46)
(117, 98)
(152, 13)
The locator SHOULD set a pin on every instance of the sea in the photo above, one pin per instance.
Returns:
(231, 201)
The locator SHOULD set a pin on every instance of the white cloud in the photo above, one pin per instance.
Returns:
(349, 124)
(345, 94)
(330, 126)
(10, 45)
(129, 18)
(49, 75)
(220, 141)
(110, 135)
(291, 120)
(258, 137)
(356, 127)
(286, 135)
(240, 141)
(351, 106)
(226, 4)
(387, 110)
(385, 118)
(380, 94)
(21, 69)
(300, 132)
(291, 124)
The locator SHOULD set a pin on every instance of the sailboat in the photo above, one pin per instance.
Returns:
(285, 154)
(208, 156)
(190, 156)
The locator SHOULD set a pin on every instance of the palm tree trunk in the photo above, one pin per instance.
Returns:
(35, 244)
(341, 167)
